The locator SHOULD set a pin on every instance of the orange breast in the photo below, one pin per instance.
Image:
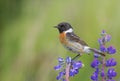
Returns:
(62, 38)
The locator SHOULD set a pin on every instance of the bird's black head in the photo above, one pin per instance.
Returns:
(64, 26)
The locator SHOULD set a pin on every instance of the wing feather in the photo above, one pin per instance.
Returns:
(74, 38)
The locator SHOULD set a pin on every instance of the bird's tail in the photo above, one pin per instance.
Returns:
(97, 51)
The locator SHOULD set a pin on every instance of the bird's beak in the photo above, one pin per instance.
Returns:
(55, 26)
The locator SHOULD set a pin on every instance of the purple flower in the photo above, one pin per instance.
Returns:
(100, 41)
(73, 66)
(68, 60)
(103, 48)
(96, 55)
(103, 32)
(94, 76)
(111, 73)
(95, 63)
(60, 59)
(100, 66)
(58, 67)
(60, 64)
(60, 75)
(111, 50)
(107, 38)
(73, 72)
(97, 70)
(111, 62)
(102, 74)
(77, 64)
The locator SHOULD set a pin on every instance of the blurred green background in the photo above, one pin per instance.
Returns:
(29, 45)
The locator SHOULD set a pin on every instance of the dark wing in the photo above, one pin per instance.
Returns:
(75, 38)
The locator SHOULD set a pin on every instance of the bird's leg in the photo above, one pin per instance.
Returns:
(78, 55)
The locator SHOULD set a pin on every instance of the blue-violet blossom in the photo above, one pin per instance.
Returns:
(74, 67)
(100, 66)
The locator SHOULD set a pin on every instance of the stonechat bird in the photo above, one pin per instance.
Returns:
(72, 42)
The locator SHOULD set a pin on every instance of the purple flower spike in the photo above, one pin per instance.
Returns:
(95, 63)
(67, 66)
(111, 50)
(100, 66)
(102, 48)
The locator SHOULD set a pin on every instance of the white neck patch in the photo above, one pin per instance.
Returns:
(69, 30)
(86, 49)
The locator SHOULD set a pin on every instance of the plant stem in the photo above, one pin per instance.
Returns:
(67, 71)
(103, 68)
